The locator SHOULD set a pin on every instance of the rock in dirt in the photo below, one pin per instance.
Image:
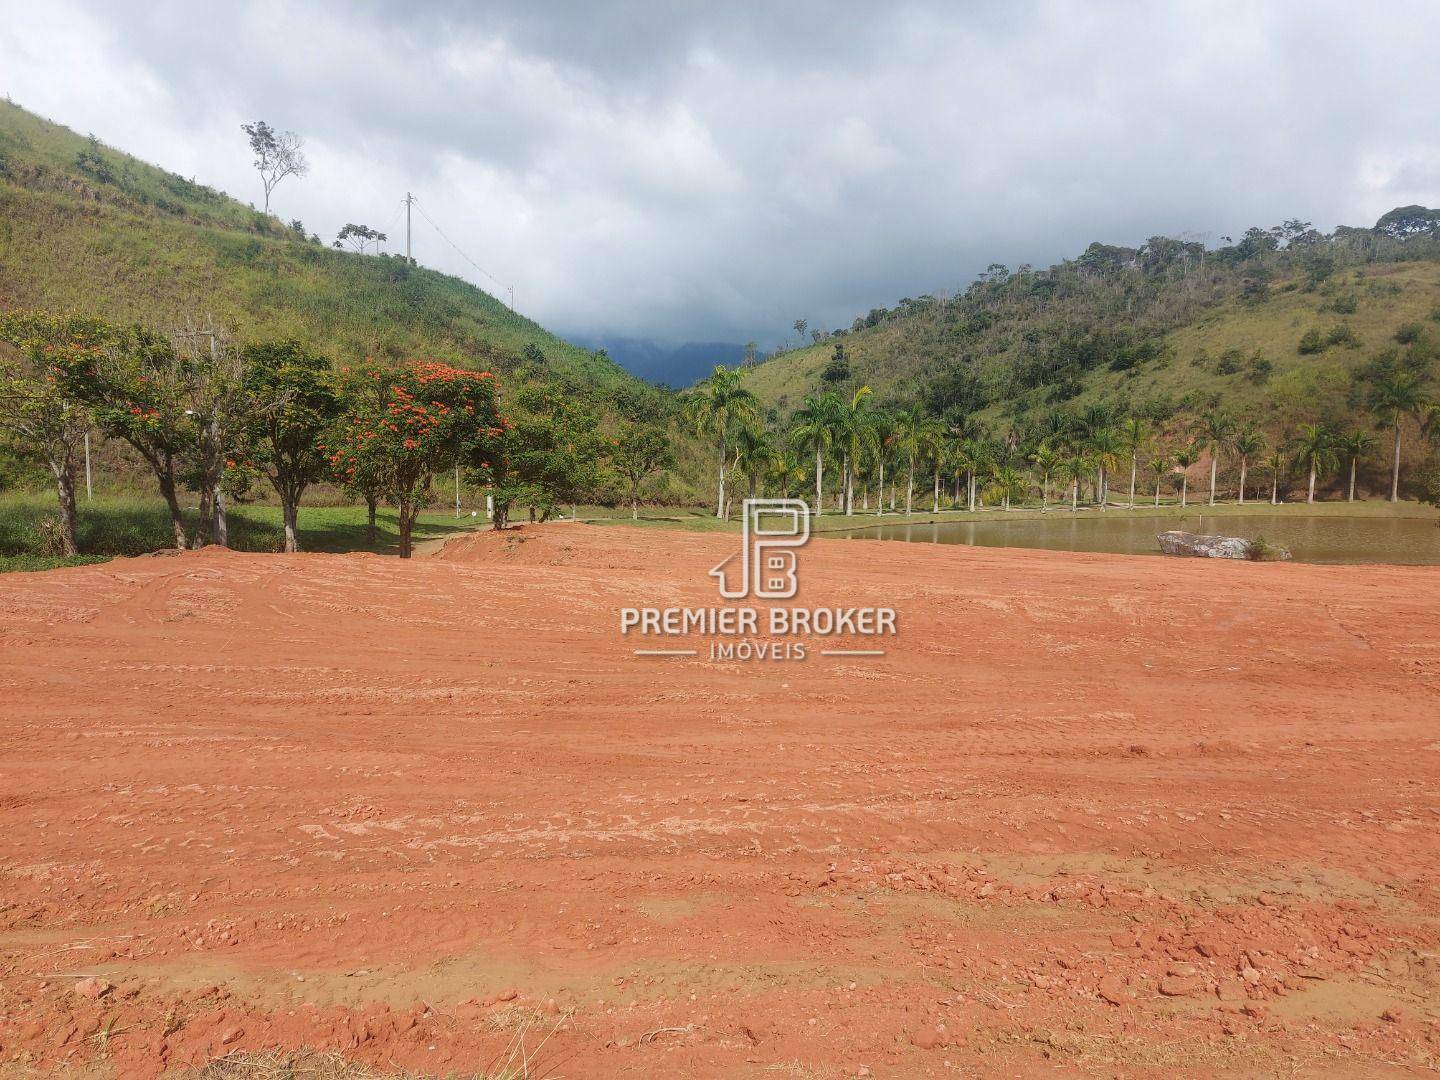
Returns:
(94, 989)
(929, 1037)
(1181, 985)
(1114, 990)
(1202, 546)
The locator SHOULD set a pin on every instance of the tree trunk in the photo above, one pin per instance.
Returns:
(1243, 466)
(1184, 489)
(222, 523)
(207, 518)
(1351, 497)
(1075, 496)
(1157, 491)
(407, 522)
(499, 515)
(935, 507)
(290, 511)
(370, 502)
(1214, 464)
(634, 506)
(1311, 497)
(847, 488)
(880, 492)
(177, 521)
(910, 490)
(1134, 471)
(819, 483)
(1275, 489)
(720, 500)
(970, 483)
(65, 489)
(1395, 470)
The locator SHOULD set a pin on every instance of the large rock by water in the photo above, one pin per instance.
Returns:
(1202, 546)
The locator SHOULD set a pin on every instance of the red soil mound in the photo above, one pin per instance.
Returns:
(1115, 815)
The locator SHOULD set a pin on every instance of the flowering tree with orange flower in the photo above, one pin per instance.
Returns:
(403, 425)
(140, 389)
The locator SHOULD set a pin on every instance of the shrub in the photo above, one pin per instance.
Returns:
(1230, 361)
(1260, 369)
(1311, 342)
(1343, 334)
(1344, 304)
(1409, 333)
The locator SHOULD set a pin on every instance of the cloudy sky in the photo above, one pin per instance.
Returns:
(715, 171)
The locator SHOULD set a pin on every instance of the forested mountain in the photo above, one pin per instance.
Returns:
(1282, 325)
(672, 365)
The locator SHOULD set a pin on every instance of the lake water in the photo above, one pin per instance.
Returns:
(1310, 539)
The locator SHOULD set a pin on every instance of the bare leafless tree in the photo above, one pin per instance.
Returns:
(278, 154)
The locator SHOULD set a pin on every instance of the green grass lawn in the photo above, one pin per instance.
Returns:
(108, 527)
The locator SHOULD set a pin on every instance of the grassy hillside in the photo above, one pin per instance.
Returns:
(88, 229)
(1223, 333)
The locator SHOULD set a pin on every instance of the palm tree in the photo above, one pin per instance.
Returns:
(882, 426)
(972, 455)
(1160, 464)
(1354, 445)
(787, 472)
(1279, 464)
(1395, 396)
(855, 436)
(1104, 449)
(1072, 468)
(715, 409)
(1213, 432)
(1247, 442)
(916, 432)
(1006, 483)
(755, 454)
(816, 423)
(1134, 434)
(1047, 462)
(1186, 457)
(1315, 449)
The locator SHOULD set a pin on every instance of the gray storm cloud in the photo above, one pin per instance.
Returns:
(670, 172)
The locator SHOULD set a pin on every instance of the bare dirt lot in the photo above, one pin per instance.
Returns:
(1089, 814)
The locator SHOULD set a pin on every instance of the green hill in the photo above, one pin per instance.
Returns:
(85, 228)
(1277, 327)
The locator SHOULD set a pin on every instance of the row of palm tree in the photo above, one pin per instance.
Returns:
(876, 449)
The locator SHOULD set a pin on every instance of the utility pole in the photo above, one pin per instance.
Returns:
(408, 200)
(512, 296)
(89, 490)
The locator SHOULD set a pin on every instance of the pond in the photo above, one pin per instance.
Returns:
(1310, 539)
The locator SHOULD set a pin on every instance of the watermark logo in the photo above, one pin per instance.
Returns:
(770, 532)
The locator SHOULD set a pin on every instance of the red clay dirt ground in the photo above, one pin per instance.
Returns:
(1090, 814)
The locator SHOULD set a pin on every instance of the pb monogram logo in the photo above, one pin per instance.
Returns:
(770, 533)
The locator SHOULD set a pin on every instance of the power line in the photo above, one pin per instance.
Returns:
(509, 288)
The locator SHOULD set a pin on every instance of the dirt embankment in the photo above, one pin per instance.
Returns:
(1113, 815)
